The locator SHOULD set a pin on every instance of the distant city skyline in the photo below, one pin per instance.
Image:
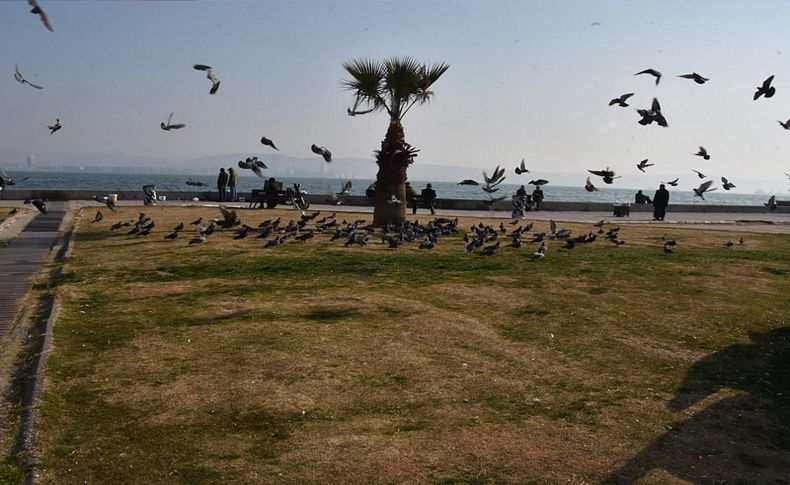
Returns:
(526, 80)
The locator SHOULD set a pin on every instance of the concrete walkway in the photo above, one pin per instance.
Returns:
(21, 258)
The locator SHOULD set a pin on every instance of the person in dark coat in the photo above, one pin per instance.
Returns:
(537, 197)
(411, 198)
(222, 184)
(660, 203)
(428, 198)
(641, 198)
(370, 193)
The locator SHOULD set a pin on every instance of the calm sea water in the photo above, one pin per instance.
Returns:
(104, 183)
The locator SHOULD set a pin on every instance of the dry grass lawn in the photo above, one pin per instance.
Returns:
(318, 363)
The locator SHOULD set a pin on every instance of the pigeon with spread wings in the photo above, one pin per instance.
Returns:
(37, 10)
(766, 89)
(704, 187)
(210, 75)
(621, 101)
(171, 126)
(652, 72)
(21, 79)
(695, 77)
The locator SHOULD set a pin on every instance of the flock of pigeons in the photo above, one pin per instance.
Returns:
(481, 239)
(647, 117)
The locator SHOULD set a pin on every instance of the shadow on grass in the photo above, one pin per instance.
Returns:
(330, 314)
(739, 439)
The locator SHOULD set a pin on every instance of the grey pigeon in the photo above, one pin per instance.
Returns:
(171, 126)
(323, 152)
(210, 75)
(268, 142)
(652, 72)
(37, 10)
(21, 79)
(695, 77)
(621, 101)
(766, 89)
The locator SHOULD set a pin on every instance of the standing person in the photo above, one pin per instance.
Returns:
(232, 180)
(222, 183)
(429, 198)
(537, 197)
(370, 193)
(660, 203)
(411, 198)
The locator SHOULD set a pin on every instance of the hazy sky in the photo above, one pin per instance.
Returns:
(527, 79)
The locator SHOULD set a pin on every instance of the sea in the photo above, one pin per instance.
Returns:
(104, 183)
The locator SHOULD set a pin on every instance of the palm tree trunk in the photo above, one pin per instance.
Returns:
(393, 159)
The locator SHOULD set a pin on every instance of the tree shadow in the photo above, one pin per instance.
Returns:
(739, 439)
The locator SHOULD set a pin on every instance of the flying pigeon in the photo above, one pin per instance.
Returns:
(703, 153)
(42, 15)
(652, 114)
(726, 184)
(521, 168)
(589, 187)
(55, 127)
(268, 142)
(652, 72)
(704, 187)
(766, 89)
(699, 174)
(171, 126)
(696, 77)
(785, 125)
(538, 182)
(673, 183)
(21, 79)
(621, 100)
(210, 75)
(770, 205)
(106, 201)
(608, 175)
(253, 164)
(643, 165)
(323, 152)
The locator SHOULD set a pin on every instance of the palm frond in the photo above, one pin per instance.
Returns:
(367, 76)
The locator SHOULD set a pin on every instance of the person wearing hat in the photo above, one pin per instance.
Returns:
(428, 198)
(232, 180)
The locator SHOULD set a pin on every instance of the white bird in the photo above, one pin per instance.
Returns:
(210, 75)
(171, 126)
(21, 79)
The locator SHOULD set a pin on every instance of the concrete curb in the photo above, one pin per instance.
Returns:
(33, 389)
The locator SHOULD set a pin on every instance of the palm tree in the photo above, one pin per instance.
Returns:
(393, 85)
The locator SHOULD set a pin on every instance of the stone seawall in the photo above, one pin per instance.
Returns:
(359, 200)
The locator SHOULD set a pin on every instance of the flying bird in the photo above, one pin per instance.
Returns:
(704, 187)
(652, 115)
(21, 79)
(726, 184)
(55, 127)
(699, 174)
(695, 77)
(253, 164)
(652, 72)
(36, 10)
(323, 152)
(770, 205)
(766, 89)
(703, 153)
(538, 182)
(643, 165)
(621, 101)
(608, 175)
(521, 168)
(99, 216)
(171, 126)
(673, 183)
(210, 75)
(589, 187)
(785, 125)
(268, 142)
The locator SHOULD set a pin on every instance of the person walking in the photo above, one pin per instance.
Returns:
(411, 198)
(429, 198)
(222, 184)
(660, 203)
(232, 180)
(537, 197)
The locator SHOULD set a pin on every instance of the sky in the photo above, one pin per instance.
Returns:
(526, 80)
